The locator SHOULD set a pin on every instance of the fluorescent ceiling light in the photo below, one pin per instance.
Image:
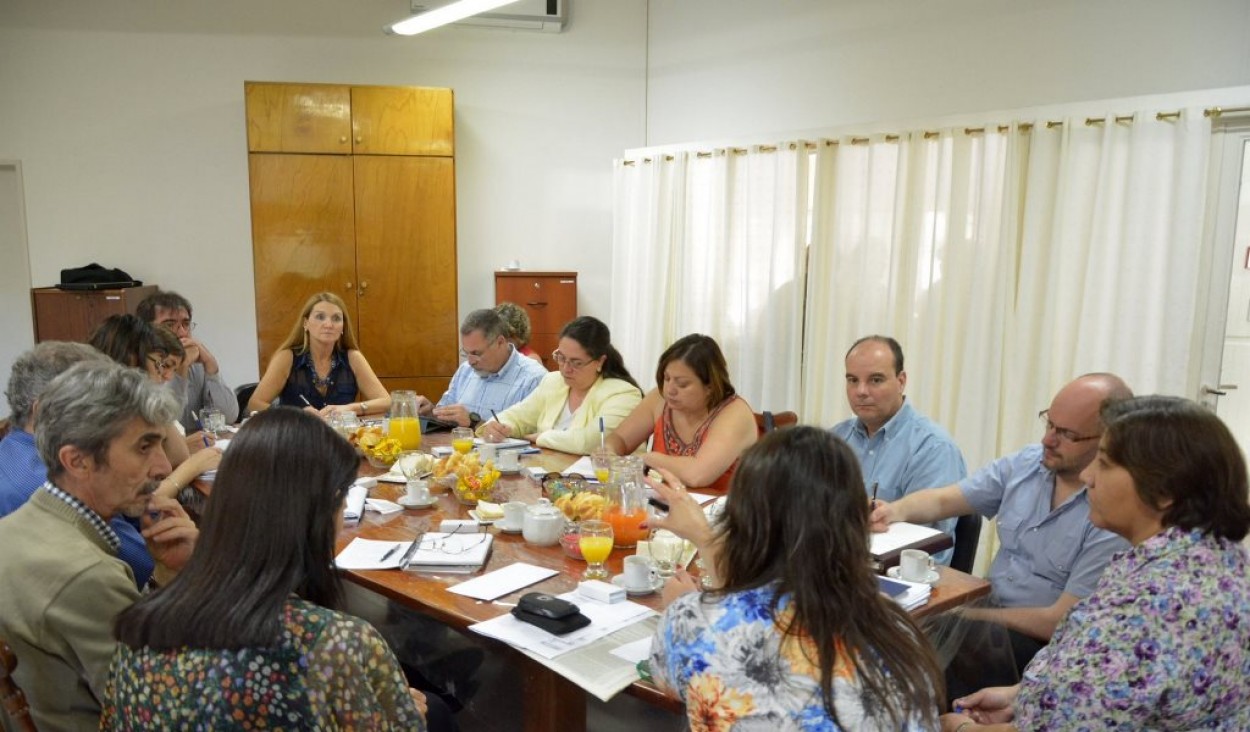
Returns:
(449, 13)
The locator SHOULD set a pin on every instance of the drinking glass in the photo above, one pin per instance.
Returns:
(601, 459)
(413, 465)
(462, 440)
(595, 541)
(213, 421)
(666, 550)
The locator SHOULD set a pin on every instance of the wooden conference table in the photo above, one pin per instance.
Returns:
(551, 701)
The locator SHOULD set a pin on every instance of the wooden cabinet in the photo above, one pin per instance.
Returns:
(550, 300)
(72, 315)
(353, 191)
(360, 120)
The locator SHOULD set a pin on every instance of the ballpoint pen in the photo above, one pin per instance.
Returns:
(390, 552)
(874, 494)
(305, 400)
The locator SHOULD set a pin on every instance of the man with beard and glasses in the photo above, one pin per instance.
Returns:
(493, 375)
(62, 583)
(1050, 555)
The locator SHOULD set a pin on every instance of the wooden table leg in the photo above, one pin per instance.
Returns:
(551, 701)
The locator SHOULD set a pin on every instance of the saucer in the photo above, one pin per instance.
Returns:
(619, 581)
(403, 501)
(513, 471)
(507, 529)
(931, 579)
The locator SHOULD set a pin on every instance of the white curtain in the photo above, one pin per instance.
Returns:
(1109, 258)
(733, 259)
(912, 238)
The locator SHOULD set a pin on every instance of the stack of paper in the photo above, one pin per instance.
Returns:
(909, 595)
(900, 535)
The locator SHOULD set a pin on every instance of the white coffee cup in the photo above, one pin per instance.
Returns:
(508, 460)
(486, 451)
(418, 491)
(513, 515)
(914, 565)
(639, 573)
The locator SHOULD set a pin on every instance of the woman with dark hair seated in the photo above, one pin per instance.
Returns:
(564, 411)
(247, 635)
(698, 423)
(796, 633)
(1164, 640)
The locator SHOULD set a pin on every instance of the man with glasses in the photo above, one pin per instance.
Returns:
(197, 381)
(1049, 555)
(492, 377)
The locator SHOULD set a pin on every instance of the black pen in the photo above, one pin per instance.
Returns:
(874, 495)
(389, 552)
(496, 416)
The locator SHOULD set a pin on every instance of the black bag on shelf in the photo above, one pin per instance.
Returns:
(95, 277)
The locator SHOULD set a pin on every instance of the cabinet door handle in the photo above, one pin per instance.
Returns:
(347, 286)
(343, 138)
(359, 139)
(536, 304)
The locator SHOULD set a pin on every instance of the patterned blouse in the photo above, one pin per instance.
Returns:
(730, 663)
(668, 442)
(329, 671)
(1162, 643)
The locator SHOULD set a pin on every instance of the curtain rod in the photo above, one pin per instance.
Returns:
(1212, 112)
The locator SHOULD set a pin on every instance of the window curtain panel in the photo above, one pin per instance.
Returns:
(735, 264)
(913, 238)
(1110, 250)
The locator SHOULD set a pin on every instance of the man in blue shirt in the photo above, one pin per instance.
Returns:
(492, 377)
(1050, 555)
(22, 471)
(900, 450)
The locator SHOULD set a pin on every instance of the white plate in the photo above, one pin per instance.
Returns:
(619, 581)
(506, 529)
(514, 471)
(478, 518)
(403, 501)
(893, 573)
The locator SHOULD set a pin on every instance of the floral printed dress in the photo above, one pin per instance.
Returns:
(1163, 643)
(730, 663)
(329, 671)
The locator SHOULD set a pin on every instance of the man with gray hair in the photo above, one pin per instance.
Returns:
(99, 432)
(492, 377)
(21, 468)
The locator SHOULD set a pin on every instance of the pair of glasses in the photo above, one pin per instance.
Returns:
(176, 324)
(1062, 433)
(562, 360)
(161, 365)
(452, 544)
(475, 355)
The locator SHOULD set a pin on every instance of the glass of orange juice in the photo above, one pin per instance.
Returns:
(595, 541)
(462, 440)
(601, 460)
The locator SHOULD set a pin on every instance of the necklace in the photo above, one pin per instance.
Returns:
(321, 383)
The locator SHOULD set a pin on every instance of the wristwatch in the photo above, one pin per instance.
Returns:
(474, 419)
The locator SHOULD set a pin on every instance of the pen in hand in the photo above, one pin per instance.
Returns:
(874, 494)
(305, 400)
(390, 552)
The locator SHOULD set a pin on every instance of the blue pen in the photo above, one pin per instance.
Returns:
(200, 426)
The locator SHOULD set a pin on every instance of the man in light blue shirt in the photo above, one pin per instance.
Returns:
(493, 376)
(1050, 555)
(900, 450)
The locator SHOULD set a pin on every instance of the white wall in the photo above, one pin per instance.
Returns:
(134, 152)
(724, 69)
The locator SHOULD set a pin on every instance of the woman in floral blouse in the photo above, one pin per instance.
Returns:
(246, 636)
(1163, 643)
(797, 636)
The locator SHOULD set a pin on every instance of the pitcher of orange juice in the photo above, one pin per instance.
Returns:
(627, 501)
(405, 423)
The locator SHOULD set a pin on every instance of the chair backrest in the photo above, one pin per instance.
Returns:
(244, 394)
(11, 696)
(967, 536)
(766, 422)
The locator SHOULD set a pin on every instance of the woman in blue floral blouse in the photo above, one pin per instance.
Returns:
(1163, 643)
(797, 636)
(246, 636)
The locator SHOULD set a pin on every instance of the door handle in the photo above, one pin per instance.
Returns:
(1221, 390)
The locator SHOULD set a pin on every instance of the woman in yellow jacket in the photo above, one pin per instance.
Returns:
(563, 413)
